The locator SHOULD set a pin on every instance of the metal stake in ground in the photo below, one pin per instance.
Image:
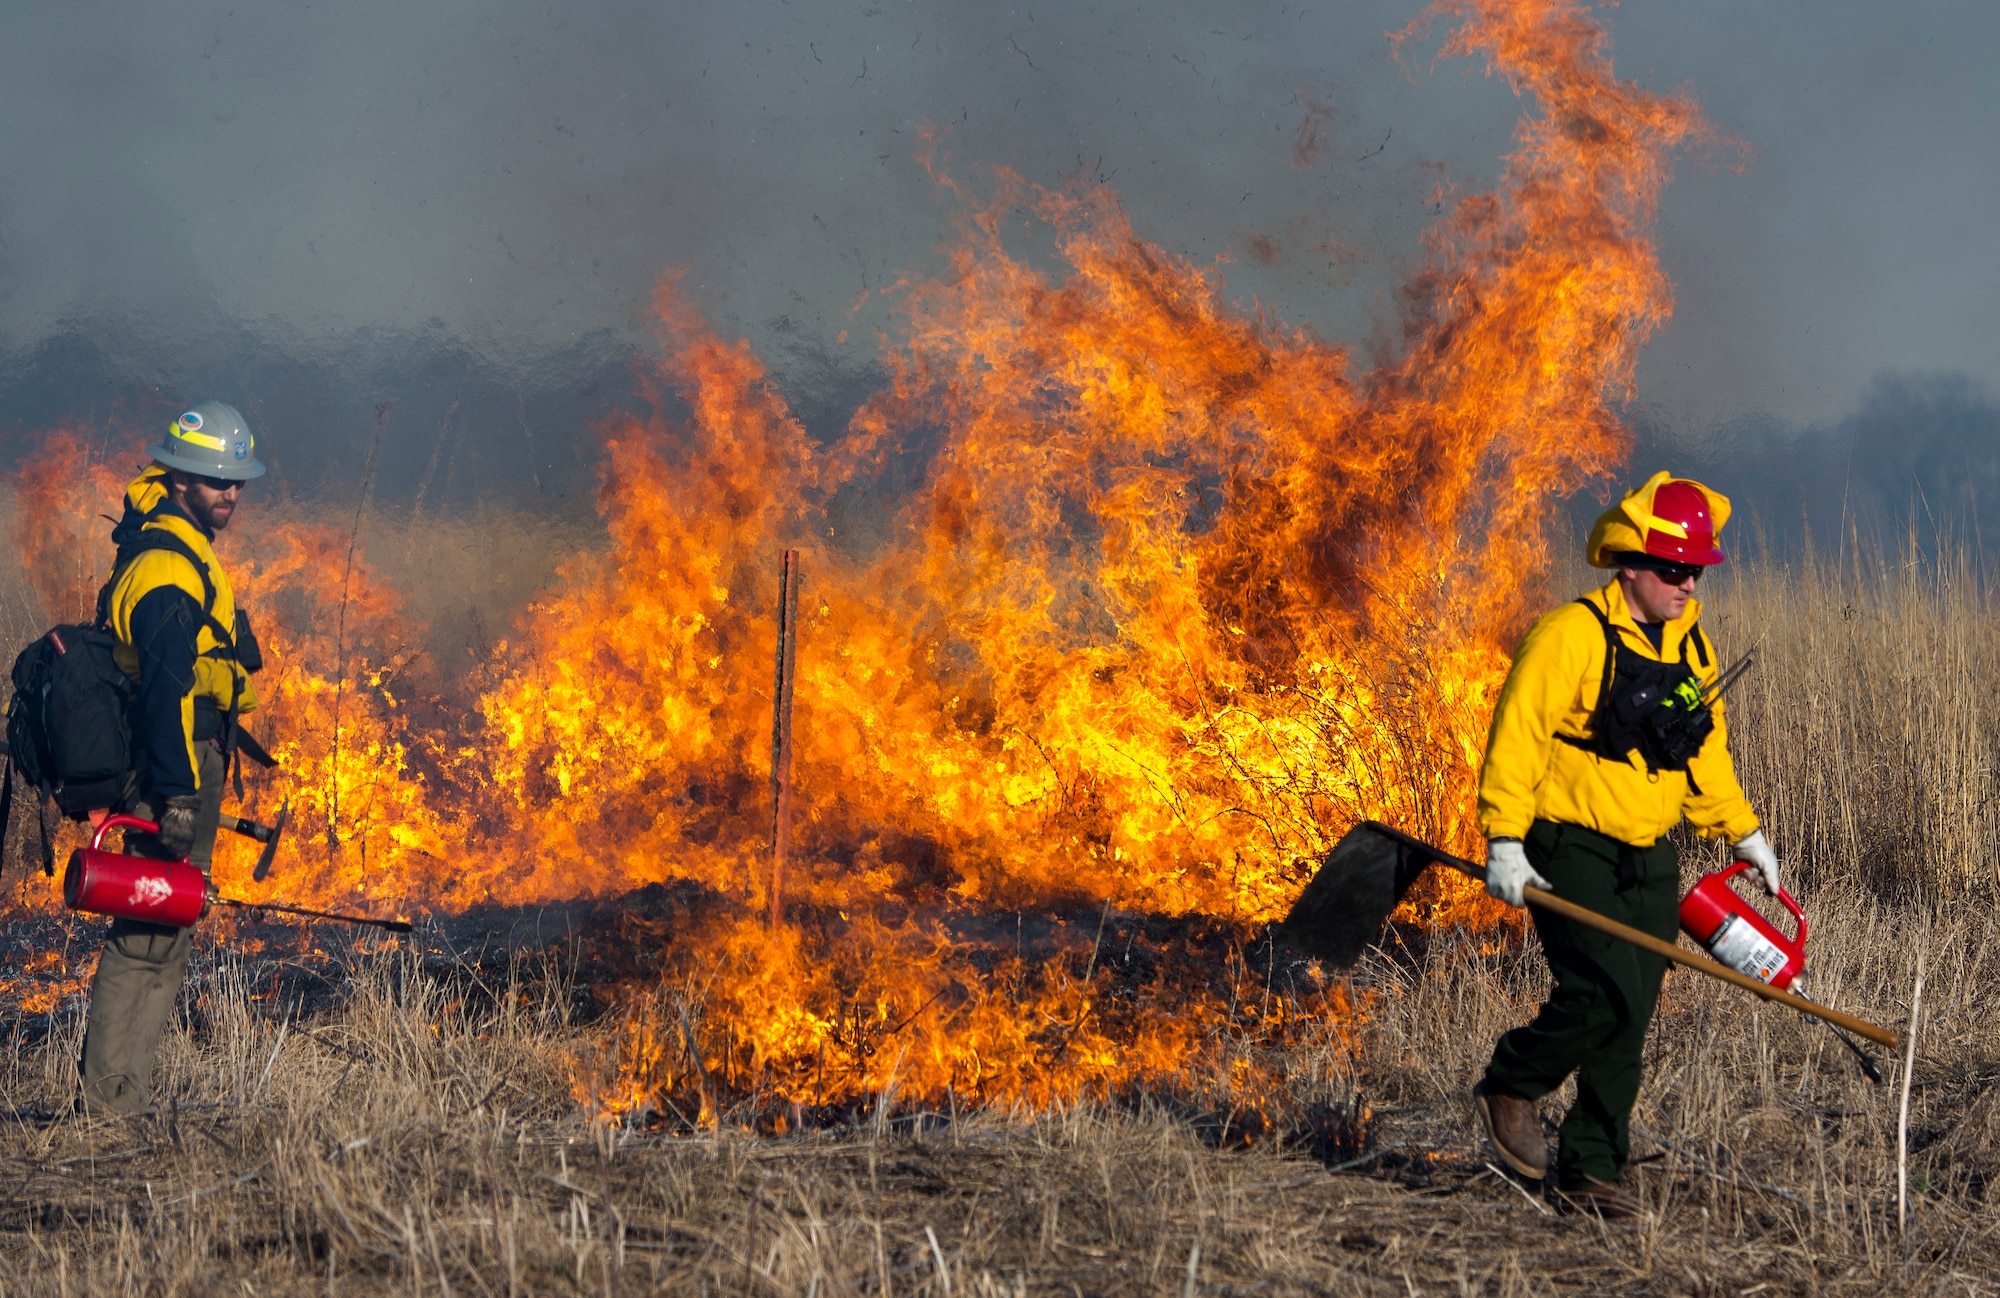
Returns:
(781, 728)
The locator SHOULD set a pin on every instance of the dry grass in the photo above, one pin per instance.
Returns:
(1869, 732)
(421, 1134)
(422, 1138)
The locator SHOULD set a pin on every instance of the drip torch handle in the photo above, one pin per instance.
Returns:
(1784, 898)
(120, 821)
(1798, 914)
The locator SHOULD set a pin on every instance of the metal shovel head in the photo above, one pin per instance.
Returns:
(1341, 911)
(270, 852)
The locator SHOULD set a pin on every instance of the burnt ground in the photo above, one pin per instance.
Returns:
(600, 956)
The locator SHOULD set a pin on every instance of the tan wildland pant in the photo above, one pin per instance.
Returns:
(139, 975)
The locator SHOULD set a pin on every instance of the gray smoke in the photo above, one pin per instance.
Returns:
(1918, 458)
(464, 209)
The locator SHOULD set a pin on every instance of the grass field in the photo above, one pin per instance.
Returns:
(420, 1131)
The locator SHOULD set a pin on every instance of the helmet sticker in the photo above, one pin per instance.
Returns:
(191, 421)
(242, 451)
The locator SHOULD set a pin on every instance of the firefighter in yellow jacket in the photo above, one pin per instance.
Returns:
(1605, 735)
(187, 647)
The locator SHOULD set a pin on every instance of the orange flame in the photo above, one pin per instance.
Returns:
(1177, 598)
(59, 493)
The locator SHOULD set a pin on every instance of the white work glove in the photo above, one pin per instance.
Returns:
(1508, 871)
(1756, 849)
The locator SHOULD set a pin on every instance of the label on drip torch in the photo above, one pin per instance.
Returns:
(1745, 950)
(151, 890)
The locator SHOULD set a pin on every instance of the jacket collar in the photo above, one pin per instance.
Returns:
(1612, 600)
(146, 501)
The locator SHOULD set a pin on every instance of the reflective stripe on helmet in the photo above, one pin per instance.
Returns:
(181, 434)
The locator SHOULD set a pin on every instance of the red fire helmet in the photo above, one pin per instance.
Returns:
(1688, 534)
(1676, 519)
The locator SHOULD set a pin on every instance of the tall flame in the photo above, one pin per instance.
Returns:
(1177, 598)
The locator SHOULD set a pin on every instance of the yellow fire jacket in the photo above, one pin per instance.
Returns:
(214, 675)
(1532, 775)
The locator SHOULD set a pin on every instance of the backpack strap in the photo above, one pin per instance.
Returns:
(6, 802)
(159, 538)
(7, 817)
(48, 852)
(1701, 652)
(1590, 745)
(1610, 650)
(137, 542)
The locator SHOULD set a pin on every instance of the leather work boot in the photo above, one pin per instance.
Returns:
(1608, 1201)
(1514, 1130)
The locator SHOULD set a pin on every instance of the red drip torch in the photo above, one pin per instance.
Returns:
(1730, 929)
(1716, 915)
(133, 887)
(163, 892)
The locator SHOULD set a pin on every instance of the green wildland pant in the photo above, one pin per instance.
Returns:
(1594, 1022)
(139, 975)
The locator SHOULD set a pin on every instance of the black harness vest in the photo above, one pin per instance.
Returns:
(1657, 709)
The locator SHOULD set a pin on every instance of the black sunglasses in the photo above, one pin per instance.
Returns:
(1675, 573)
(217, 484)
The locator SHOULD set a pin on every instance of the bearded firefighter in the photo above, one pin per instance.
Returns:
(1605, 736)
(187, 647)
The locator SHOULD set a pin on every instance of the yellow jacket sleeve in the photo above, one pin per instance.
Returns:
(1541, 688)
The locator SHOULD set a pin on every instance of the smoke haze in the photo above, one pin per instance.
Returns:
(464, 209)
(1917, 459)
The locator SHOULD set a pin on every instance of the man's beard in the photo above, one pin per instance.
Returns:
(214, 518)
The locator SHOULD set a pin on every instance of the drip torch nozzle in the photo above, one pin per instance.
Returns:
(387, 925)
(1861, 1056)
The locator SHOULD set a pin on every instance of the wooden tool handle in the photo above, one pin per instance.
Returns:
(1625, 933)
(1702, 964)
